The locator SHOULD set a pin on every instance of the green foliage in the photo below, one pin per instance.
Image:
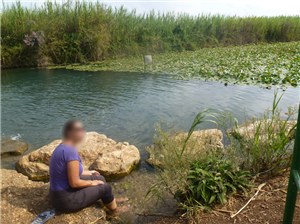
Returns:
(76, 32)
(213, 179)
(265, 143)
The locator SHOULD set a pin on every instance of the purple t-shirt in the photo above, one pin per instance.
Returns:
(58, 166)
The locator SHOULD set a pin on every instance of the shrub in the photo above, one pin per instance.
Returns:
(213, 179)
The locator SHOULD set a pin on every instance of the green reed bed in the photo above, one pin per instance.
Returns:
(78, 32)
(265, 65)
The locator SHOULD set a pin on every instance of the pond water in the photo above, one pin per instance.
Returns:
(123, 106)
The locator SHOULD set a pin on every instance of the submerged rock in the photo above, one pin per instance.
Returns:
(210, 138)
(12, 147)
(98, 152)
(22, 200)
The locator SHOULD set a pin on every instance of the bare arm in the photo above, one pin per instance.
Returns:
(73, 176)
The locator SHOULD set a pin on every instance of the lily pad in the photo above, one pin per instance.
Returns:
(276, 64)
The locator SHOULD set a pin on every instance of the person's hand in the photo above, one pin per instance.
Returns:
(92, 172)
(97, 182)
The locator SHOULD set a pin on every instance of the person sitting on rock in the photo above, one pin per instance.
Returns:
(72, 188)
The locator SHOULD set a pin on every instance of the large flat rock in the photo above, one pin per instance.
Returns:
(12, 147)
(201, 139)
(22, 200)
(98, 152)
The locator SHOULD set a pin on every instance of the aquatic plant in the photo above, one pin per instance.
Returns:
(80, 31)
(265, 65)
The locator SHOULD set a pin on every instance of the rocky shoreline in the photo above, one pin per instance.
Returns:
(24, 195)
(23, 199)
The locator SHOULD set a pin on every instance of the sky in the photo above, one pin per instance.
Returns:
(192, 7)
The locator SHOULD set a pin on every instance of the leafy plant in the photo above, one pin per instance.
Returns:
(213, 180)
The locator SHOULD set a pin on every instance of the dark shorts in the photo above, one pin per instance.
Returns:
(73, 199)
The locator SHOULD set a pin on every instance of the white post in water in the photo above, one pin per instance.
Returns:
(148, 59)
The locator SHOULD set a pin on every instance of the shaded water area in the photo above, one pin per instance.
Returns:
(123, 106)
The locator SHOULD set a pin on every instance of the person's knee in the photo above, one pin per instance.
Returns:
(105, 188)
(108, 188)
(108, 197)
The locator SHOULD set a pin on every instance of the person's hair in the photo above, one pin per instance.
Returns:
(68, 126)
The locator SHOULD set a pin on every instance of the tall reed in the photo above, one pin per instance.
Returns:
(84, 31)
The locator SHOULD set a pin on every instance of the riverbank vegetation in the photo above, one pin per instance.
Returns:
(201, 177)
(264, 142)
(79, 32)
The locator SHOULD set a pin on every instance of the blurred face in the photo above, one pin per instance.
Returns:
(77, 133)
